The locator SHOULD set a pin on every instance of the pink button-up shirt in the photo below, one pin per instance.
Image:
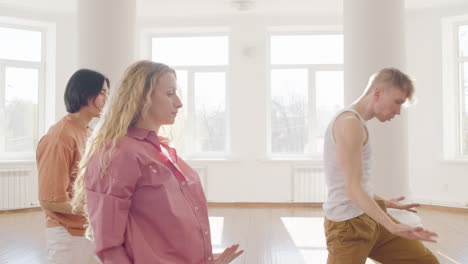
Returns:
(147, 209)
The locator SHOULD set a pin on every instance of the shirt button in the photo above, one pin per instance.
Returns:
(206, 232)
(183, 183)
(210, 258)
(196, 208)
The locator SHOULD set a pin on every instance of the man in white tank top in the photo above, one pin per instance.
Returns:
(356, 223)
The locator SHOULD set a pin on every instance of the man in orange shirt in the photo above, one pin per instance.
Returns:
(58, 154)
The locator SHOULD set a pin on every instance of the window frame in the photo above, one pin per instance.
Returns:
(312, 69)
(46, 82)
(190, 151)
(453, 98)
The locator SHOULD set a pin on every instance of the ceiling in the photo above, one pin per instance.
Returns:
(159, 8)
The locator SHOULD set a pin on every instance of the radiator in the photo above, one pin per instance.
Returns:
(18, 188)
(308, 184)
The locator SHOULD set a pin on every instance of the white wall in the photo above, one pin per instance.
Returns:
(248, 176)
(428, 171)
(24, 193)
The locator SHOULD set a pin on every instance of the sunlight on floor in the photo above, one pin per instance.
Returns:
(306, 232)
(309, 238)
(217, 227)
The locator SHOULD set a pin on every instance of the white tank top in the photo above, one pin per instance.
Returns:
(338, 206)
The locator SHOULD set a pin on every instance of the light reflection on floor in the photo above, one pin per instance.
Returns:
(306, 233)
(309, 237)
(269, 235)
(217, 227)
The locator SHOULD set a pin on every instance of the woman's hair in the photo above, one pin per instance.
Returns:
(83, 85)
(127, 104)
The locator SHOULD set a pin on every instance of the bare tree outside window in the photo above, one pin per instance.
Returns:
(210, 112)
(289, 113)
(306, 84)
(201, 63)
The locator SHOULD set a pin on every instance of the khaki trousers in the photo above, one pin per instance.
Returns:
(356, 239)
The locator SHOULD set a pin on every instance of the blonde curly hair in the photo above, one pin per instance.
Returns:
(126, 105)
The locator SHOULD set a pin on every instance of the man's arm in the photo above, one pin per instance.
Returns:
(60, 207)
(55, 158)
(378, 197)
(349, 137)
(395, 203)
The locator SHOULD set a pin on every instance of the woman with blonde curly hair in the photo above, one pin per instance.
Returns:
(144, 203)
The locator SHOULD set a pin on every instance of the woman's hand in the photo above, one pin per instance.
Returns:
(228, 255)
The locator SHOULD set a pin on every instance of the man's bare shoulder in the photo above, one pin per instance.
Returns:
(348, 120)
(348, 116)
(348, 127)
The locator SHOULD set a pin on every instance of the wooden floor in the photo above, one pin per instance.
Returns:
(269, 234)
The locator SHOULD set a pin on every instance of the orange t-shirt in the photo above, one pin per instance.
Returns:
(58, 155)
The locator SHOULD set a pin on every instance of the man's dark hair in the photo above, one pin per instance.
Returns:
(83, 85)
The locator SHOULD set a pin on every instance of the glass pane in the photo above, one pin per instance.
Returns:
(210, 111)
(307, 49)
(463, 40)
(190, 51)
(21, 109)
(182, 86)
(289, 126)
(329, 99)
(18, 44)
(176, 131)
(464, 110)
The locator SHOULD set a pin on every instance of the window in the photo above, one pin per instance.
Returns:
(21, 75)
(201, 64)
(463, 85)
(455, 75)
(306, 90)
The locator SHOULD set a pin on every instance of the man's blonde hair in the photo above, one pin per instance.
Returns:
(391, 77)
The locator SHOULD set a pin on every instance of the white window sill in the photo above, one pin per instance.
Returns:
(459, 160)
(19, 161)
(7, 164)
(210, 160)
(299, 161)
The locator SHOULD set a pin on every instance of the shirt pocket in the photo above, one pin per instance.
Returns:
(156, 175)
(158, 187)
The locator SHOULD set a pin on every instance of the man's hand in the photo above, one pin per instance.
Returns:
(395, 203)
(228, 255)
(413, 233)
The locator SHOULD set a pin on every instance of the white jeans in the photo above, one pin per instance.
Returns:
(63, 248)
